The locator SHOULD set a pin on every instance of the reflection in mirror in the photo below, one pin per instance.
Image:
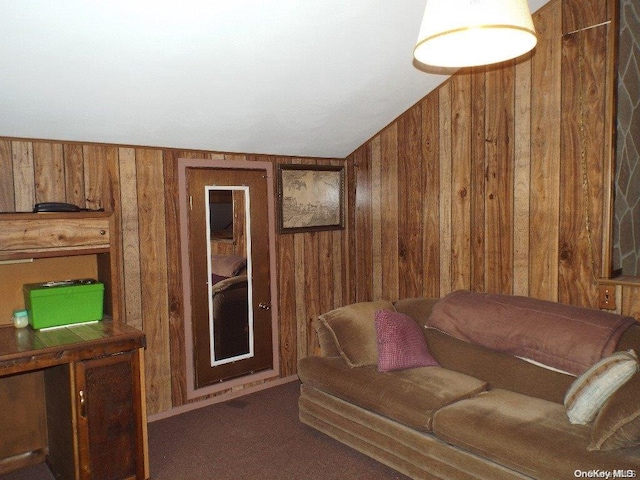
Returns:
(229, 268)
(626, 225)
(221, 214)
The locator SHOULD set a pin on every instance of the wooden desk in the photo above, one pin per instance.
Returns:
(90, 377)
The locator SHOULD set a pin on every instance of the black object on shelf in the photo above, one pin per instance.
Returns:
(49, 207)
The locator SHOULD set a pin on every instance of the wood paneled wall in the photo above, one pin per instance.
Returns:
(497, 181)
(486, 184)
(140, 186)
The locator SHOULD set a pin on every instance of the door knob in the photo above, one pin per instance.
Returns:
(264, 306)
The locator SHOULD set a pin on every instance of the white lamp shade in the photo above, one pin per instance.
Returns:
(466, 33)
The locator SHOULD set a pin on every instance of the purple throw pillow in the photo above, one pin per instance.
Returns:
(401, 343)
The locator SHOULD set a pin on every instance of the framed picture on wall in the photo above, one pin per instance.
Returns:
(310, 197)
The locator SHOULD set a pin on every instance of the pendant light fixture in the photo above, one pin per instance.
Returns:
(466, 33)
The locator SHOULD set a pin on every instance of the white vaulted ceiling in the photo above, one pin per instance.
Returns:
(285, 77)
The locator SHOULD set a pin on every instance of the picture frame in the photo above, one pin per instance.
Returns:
(310, 198)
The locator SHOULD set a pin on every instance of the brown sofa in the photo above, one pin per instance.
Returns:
(481, 414)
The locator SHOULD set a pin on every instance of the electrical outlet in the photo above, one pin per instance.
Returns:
(607, 297)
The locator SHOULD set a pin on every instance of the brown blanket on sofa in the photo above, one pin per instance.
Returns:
(529, 328)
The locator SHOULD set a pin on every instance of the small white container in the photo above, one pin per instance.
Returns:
(20, 318)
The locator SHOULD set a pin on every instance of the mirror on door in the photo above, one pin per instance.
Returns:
(229, 323)
(229, 268)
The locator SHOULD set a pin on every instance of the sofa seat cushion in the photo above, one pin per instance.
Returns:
(410, 396)
(527, 434)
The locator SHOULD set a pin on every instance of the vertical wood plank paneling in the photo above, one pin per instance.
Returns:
(478, 174)
(7, 199)
(130, 238)
(522, 178)
(49, 172)
(363, 195)
(311, 283)
(74, 173)
(631, 301)
(352, 229)
(175, 299)
(597, 40)
(582, 172)
(23, 176)
(577, 14)
(460, 181)
(338, 274)
(94, 157)
(519, 172)
(445, 173)
(376, 217)
(388, 195)
(326, 285)
(499, 179)
(153, 275)
(410, 244)
(339, 271)
(111, 184)
(304, 332)
(110, 199)
(431, 189)
(546, 76)
(582, 98)
(287, 299)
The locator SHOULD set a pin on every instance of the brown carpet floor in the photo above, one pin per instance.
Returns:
(257, 436)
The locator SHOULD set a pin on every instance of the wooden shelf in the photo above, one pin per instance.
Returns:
(36, 235)
(621, 280)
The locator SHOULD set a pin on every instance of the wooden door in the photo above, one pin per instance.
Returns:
(109, 415)
(253, 353)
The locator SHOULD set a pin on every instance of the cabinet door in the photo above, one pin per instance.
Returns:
(110, 420)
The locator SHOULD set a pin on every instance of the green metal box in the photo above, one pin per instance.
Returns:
(54, 304)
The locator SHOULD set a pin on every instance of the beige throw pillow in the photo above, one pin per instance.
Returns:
(590, 391)
(354, 331)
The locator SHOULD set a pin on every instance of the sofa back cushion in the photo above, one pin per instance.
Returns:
(350, 332)
(500, 370)
(561, 336)
(417, 308)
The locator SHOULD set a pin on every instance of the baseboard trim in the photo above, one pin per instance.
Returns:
(220, 398)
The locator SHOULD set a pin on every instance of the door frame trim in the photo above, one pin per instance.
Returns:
(183, 164)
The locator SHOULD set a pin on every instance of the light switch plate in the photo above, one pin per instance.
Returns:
(607, 297)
